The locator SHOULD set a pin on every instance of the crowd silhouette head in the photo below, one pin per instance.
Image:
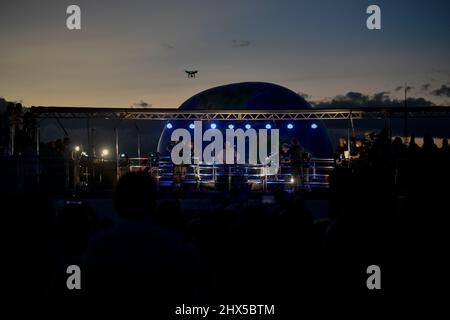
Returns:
(135, 195)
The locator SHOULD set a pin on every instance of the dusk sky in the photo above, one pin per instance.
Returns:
(128, 51)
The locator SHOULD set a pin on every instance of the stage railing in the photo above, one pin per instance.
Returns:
(311, 174)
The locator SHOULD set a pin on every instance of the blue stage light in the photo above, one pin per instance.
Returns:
(290, 126)
(247, 126)
(169, 126)
(231, 126)
(268, 126)
(213, 125)
(192, 126)
(314, 126)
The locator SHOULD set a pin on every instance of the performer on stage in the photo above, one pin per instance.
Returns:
(341, 150)
(297, 160)
(285, 154)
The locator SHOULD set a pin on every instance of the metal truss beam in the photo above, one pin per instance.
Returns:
(237, 115)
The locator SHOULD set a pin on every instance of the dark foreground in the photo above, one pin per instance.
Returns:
(160, 251)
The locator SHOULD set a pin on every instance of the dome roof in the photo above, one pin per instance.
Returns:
(246, 96)
(256, 96)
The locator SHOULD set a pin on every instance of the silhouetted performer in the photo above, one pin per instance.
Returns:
(359, 151)
(297, 158)
(398, 149)
(285, 154)
(414, 151)
(429, 148)
(445, 149)
(339, 155)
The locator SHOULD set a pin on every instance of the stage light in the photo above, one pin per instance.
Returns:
(248, 126)
(105, 152)
(231, 126)
(169, 126)
(213, 125)
(77, 148)
(192, 126)
(314, 126)
(292, 180)
(290, 126)
(268, 126)
(123, 155)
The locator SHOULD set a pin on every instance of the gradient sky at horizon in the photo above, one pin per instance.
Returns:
(128, 51)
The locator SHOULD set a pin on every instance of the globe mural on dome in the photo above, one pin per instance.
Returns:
(313, 135)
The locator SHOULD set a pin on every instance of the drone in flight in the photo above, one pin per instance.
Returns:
(191, 73)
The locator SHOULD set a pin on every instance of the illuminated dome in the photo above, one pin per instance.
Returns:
(256, 96)
(246, 96)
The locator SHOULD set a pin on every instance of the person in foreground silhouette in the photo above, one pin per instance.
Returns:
(136, 260)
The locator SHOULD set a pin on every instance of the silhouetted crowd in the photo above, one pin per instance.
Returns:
(17, 131)
(380, 150)
(235, 248)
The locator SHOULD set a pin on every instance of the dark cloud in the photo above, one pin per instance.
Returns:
(241, 44)
(141, 104)
(405, 88)
(304, 95)
(380, 96)
(361, 100)
(443, 91)
(426, 87)
(441, 71)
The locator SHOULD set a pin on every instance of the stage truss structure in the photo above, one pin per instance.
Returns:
(170, 114)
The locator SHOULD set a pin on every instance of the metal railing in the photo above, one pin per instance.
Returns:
(79, 174)
(312, 174)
